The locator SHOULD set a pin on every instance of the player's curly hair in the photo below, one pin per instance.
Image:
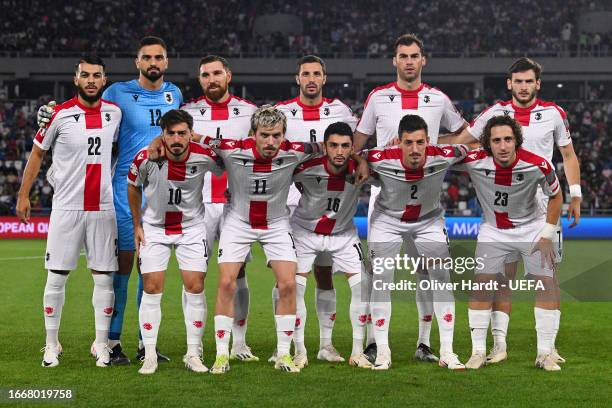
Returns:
(503, 120)
(267, 116)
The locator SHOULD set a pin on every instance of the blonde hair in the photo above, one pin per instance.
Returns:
(267, 116)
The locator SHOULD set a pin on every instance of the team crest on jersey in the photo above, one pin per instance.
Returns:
(202, 111)
(426, 99)
(236, 111)
(135, 96)
(293, 111)
(279, 162)
(194, 169)
(168, 97)
(520, 177)
(107, 117)
(391, 97)
(538, 116)
(76, 117)
(326, 111)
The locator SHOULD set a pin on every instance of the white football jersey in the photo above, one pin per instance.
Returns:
(259, 186)
(82, 142)
(544, 124)
(328, 201)
(308, 123)
(232, 119)
(386, 105)
(412, 195)
(173, 190)
(507, 195)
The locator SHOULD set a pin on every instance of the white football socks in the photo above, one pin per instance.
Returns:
(285, 326)
(149, 317)
(499, 328)
(195, 313)
(241, 312)
(545, 324)
(103, 300)
(358, 313)
(300, 313)
(425, 310)
(223, 330)
(53, 302)
(479, 324)
(326, 312)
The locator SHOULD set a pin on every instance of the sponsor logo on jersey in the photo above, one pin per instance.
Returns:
(168, 97)
(135, 96)
(318, 178)
(487, 172)
(293, 111)
(506, 113)
(391, 97)
(202, 111)
(76, 117)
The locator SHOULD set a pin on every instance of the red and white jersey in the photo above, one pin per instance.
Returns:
(386, 105)
(259, 186)
(232, 117)
(507, 195)
(412, 195)
(544, 125)
(328, 201)
(173, 190)
(308, 123)
(82, 142)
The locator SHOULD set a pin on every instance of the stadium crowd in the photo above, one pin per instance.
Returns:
(591, 127)
(462, 27)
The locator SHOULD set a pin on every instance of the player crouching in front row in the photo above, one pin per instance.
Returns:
(507, 178)
(173, 217)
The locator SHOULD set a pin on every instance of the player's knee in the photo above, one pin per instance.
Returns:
(152, 286)
(194, 286)
(510, 269)
(286, 288)
(227, 284)
(59, 272)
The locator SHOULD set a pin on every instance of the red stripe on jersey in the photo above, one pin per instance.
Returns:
(173, 223)
(176, 171)
(258, 214)
(93, 177)
(502, 220)
(410, 101)
(522, 115)
(413, 174)
(93, 120)
(534, 159)
(503, 175)
(325, 225)
(218, 185)
(219, 113)
(310, 114)
(335, 183)
(411, 213)
(557, 107)
(262, 166)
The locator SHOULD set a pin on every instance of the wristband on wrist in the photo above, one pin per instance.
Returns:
(548, 231)
(575, 191)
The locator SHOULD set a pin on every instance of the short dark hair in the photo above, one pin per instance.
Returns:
(215, 58)
(409, 39)
(92, 59)
(151, 40)
(307, 59)
(174, 117)
(411, 123)
(502, 120)
(338, 128)
(525, 64)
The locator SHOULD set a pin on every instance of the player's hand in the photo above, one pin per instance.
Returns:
(45, 112)
(23, 209)
(574, 211)
(362, 172)
(139, 239)
(156, 150)
(547, 252)
(393, 142)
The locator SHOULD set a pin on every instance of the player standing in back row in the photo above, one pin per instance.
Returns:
(81, 133)
(308, 116)
(385, 106)
(219, 113)
(544, 125)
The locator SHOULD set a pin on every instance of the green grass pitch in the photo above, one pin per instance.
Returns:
(584, 339)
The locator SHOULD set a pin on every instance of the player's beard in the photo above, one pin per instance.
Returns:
(409, 77)
(312, 95)
(177, 155)
(216, 93)
(153, 76)
(89, 98)
(525, 100)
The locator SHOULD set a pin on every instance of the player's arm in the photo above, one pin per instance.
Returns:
(545, 243)
(29, 174)
(360, 140)
(135, 201)
(362, 172)
(462, 136)
(572, 172)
